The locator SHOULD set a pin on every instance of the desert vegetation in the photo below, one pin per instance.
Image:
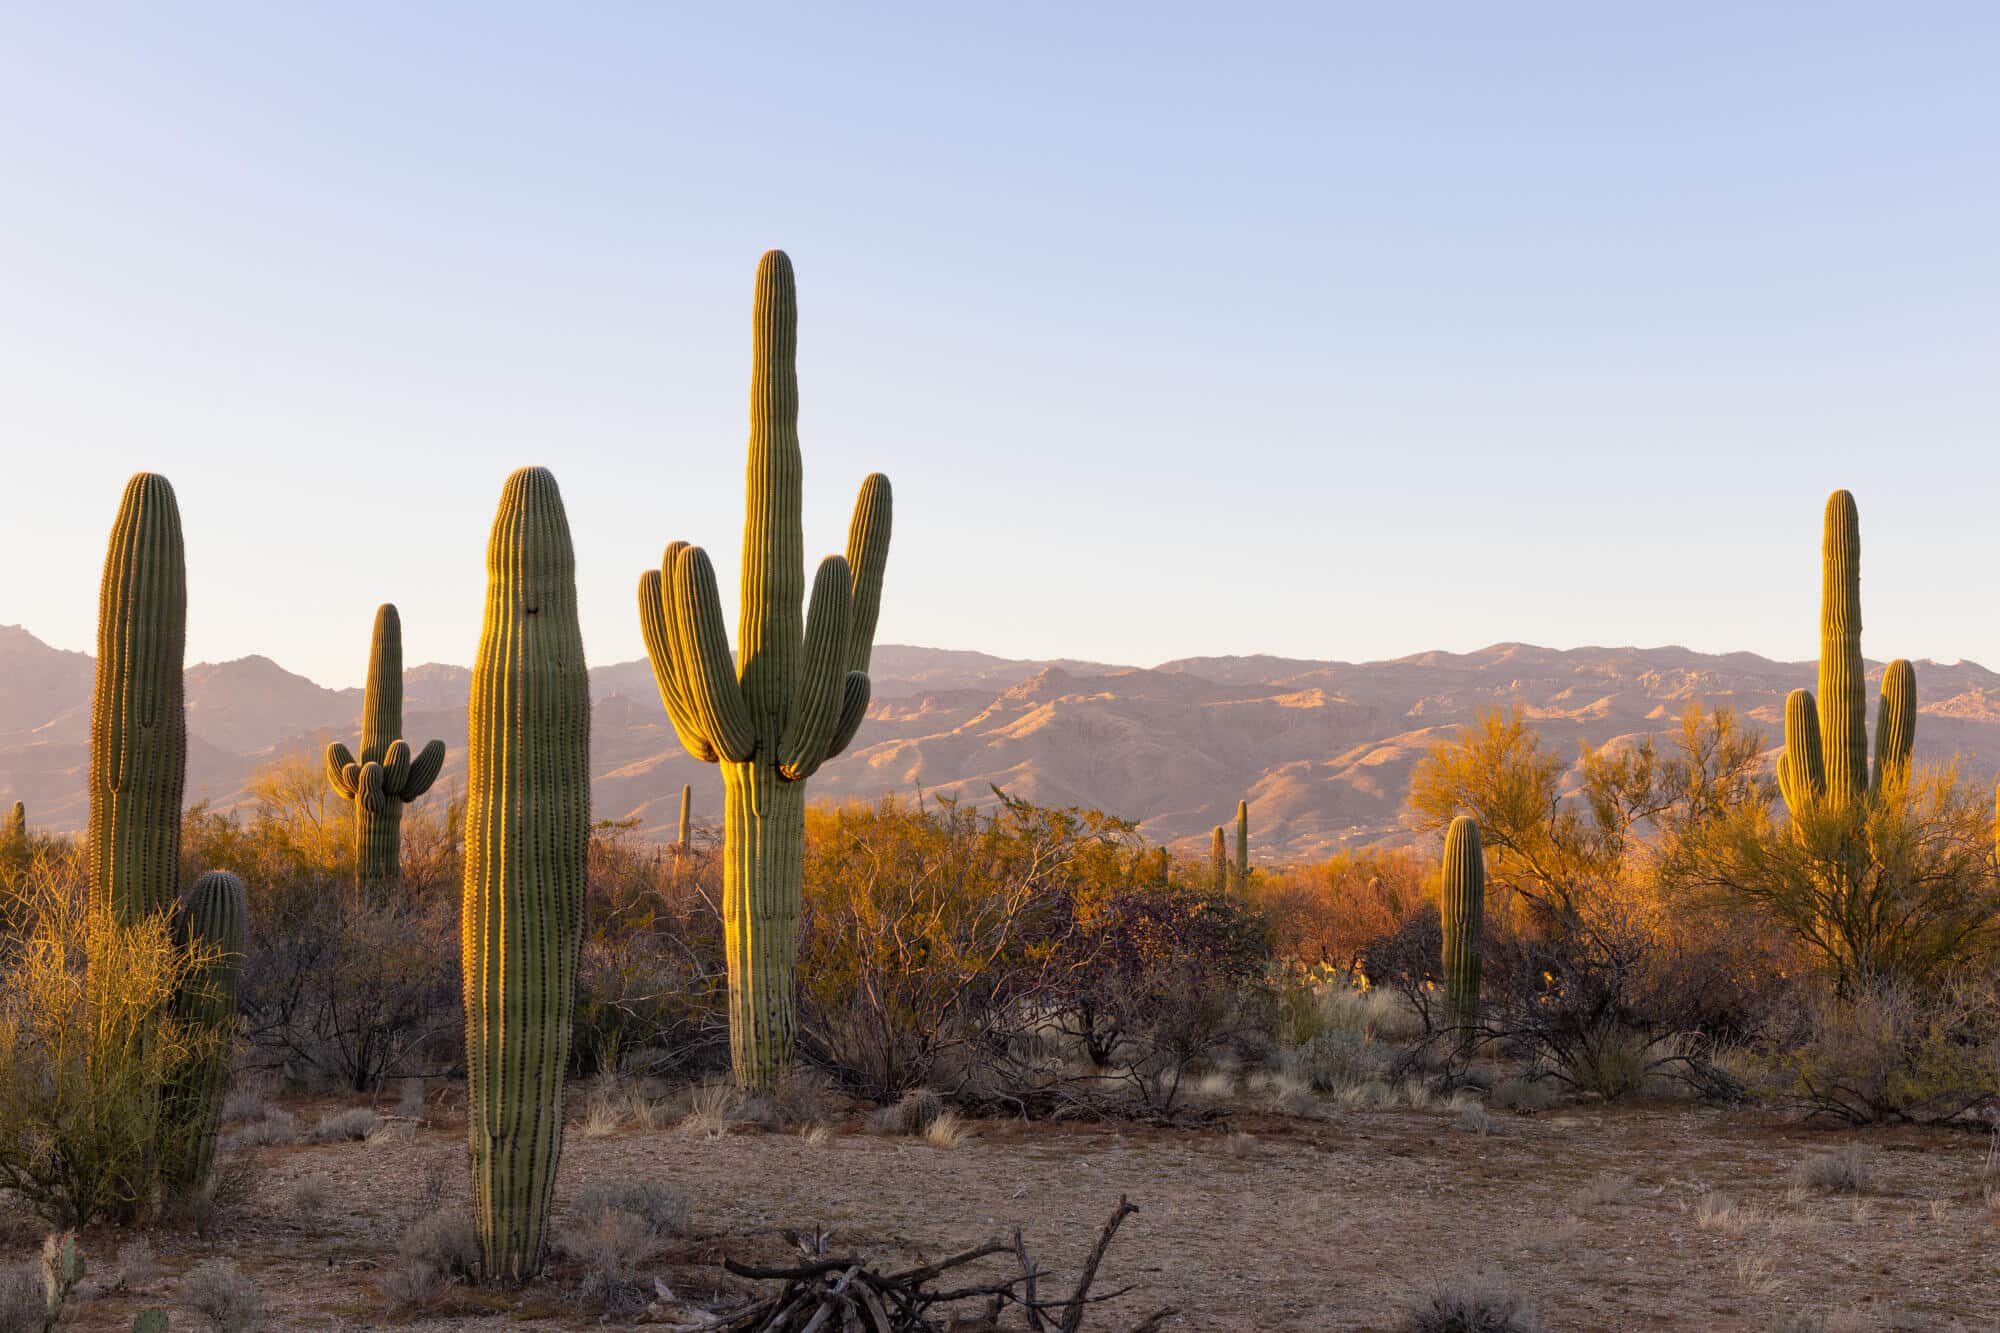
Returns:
(458, 1056)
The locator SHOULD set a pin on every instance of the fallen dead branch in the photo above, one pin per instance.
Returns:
(834, 1293)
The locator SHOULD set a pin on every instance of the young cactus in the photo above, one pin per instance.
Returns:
(527, 833)
(1243, 844)
(1218, 855)
(138, 717)
(1463, 906)
(686, 829)
(1826, 744)
(62, 1268)
(210, 921)
(386, 775)
(17, 824)
(793, 698)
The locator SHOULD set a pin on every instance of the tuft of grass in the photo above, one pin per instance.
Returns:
(271, 1126)
(708, 1111)
(309, 1200)
(1469, 1305)
(946, 1130)
(1473, 1118)
(1843, 1172)
(1718, 1212)
(137, 1269)
(662, 1208)
(912, 1115)
(1241, 1145)
(22, 1304)
(1523, 1094)
(1757, 1272)
(1601, 1190)
(613, 1229)
(229, 1301)
(353, 1125)
(817, 1136)
(445, 1242)
(244, 1104)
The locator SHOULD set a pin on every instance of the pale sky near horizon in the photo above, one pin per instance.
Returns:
(1327, 331)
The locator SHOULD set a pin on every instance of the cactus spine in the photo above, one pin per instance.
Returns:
(1218, 854)
(1463, 906)
(1826, 746)
(386, 775)
(211, 921)
(17, 823)
(795, 695)
(527, 831)
(138, 719)
(1243, 844)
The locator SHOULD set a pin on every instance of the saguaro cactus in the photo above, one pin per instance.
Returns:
(17, 823)
(527, 832)
(386, 775)
(1826, 746)
(1463, 904)
(1242, 844)
(138, 718)
(795, 694)
(211, 919)
(1218, 855)
(687, 800)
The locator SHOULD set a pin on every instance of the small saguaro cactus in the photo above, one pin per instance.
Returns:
(138, 717)
(17, 823)
(1826, 743)
(687, 800)
(1218, 855)
(527, 835)
(386, 775)
(210, 921)
(1462, 904)
(1242, 844)
(61, 1269)
(794, 696)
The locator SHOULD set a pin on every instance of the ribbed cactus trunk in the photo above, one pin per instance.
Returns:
(527, 832)
(17, 823)
(1463, 906)
(213, 917)
(795, 694)
(386, 775)
(1218, 855)
(1843, 691)
(686, 828)
(138, 718)
(1895, 723)
(1242, 844)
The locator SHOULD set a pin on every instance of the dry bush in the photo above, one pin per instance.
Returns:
(614, 1229)
(1475, 1119)
(1601, 1190)
(273, 1126)
(912, 1114)
(23, 1306)
(708, 1111)
(437, 1250)
(349, 1126)
(229, 1301)
(1323, 917)
(947, 1131)
(1524, 1094)
(1469, 1305)
(1892, 1051)
(663, 1209)
(137, 1269)
(310, 1198)
(1845, 1171)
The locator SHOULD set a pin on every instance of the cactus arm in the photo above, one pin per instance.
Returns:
(368, 794)
(657, 628)
(1462, 903)
(822, 682)
(424, 770)
(769, 633)
(726, 718)
(855, 692)
(1843, 700)
(868, 557)
(1895, 723)
(396, 766)
(1802, 767)
(338, 760)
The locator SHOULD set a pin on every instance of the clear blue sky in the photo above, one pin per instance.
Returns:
(1329, 331)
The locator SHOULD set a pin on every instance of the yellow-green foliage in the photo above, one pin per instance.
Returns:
(88, 1038)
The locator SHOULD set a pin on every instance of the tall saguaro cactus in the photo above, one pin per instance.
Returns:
(527, 833)
(1218, 855)
(211, 919)
(1243, 844)
(795, 695)
(1463, 905)
(1826, 745)
(138, 718)
(386, 775)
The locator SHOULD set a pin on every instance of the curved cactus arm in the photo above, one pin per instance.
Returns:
(657, 628)
(822, 682)
(396, 767)
(1802, 767)
(854, 695)
(1895, 722)
(769, 629)
(368, 788)
(703, 646)
(868, 557)
(339, 759)
(424, 770)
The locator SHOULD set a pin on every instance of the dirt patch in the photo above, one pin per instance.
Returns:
(1605, 1219)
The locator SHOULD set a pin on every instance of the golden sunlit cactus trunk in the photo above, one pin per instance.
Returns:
(795, 694)
(17, 823)
(1463, 907)
(1218, 855)
(527, 833)
(1826, 745)
(686, 828)
(210, 923)
(1243, 844)
(138, 717)
(386, 775)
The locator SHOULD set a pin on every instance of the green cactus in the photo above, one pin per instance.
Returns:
(1243, 844)
(1218, 854)
(386, 775)
(210, 921)
(687, 800)
(138, 719)
(795, 695)
(62, 1268)
(527, 832)
(1826, 746)
(17, 823)
(1463, 905)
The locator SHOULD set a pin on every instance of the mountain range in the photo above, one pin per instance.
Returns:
(1321, 750)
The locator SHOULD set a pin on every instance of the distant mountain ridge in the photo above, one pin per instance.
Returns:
(1322, 750)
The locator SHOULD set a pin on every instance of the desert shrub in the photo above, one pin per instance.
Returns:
(663, 1209)
(1408, 962)
(1322, 917)
(82, 1062)
(439, 1248)
(912, 1114)
(1891, 1051)
(229, 1301)
(1520, 1093)
(274, 1125)
(615, 1229)
(351, 1125)
(22, 1303)
(1844, 1171)
(1469, 1305)
(1335, 1058)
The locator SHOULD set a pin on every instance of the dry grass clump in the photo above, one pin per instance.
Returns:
(947, 1130)
(1523, 1094)
(352, 1125)
(229, 1301)
(438, 1249)
(137, 1269)
(1601, 1190)
(1470, 1305)
(309, 1200)
(270, 1126)
(708, 1111)
(911, 1116)
(1473, 1118)
(22, 1305)
(1843, 1172)
(1718, 1212)
(614, 1228)
(1757, 1271)
(240, 1104)
(616, 1106)
(817, 1136)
